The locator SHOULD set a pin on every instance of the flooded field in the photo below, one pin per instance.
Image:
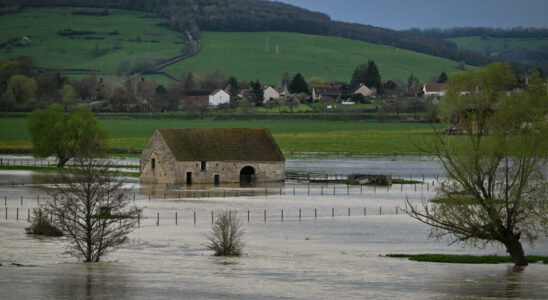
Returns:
(330, 243)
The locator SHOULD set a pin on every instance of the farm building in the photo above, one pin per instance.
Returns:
(434, 89)
(218, 97)
(212, 155)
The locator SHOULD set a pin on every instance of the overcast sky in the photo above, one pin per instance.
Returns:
(404, 14)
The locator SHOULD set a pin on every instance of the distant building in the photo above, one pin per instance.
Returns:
(270, 93)
(194, 99)
(326, 92)
(434, 89)
(212, 155)
(218, 97)
(365, 91)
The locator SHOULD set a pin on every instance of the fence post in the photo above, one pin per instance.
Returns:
(299, 214)
(380, 210)
(265, 215)
(280, 191)
(364, 211)
(347, 190)
(148, 197)
(322, 190)
(5, 200)
(21, 200)
(415, 187)
(28, 214)
(38, 200)
(396, 210)
(17, 213)
(6, 212)
(332, 212)
(158, 219)
(282, 215)
(248, 216)
(315, 214)
(194, 218)
(361, 189)
(293, 191)
(333, 190)
(308, 189)
(212, 217)
(175, 218)
(139, 220)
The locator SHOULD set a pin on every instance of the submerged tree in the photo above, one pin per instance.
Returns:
(226, 235)
(495, 189)
(92, 208)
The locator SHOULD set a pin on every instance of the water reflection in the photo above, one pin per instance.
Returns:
(90, 281)
(168, 190)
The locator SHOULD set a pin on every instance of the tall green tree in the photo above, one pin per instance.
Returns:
(65, 135)
(257, 93)
(442, 78)
(22, 88)
(495, 189)
(366, 74)
(298, 84)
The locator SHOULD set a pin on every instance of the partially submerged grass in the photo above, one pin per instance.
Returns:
(467, 259)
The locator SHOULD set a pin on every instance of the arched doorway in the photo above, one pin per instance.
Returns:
(247, 174)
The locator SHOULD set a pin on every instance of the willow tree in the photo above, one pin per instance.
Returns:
(495, 189)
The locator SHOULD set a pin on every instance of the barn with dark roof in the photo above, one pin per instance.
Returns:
(212, 155)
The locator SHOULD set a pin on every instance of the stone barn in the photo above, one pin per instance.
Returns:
(212, 156)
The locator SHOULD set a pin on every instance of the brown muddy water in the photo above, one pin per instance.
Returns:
(330, 255)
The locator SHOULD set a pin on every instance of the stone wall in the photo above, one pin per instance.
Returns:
(164, 170)
(228, 171)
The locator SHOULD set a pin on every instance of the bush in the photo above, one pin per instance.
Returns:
(226, 235)
(41, 225)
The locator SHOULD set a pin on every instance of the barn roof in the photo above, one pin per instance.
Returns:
(221, 144)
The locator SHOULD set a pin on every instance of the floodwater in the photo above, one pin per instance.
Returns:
(323, 254)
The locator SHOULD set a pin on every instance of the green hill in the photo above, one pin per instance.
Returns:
(497, 44)
(245, 55)
(49, 49)
(253, 55)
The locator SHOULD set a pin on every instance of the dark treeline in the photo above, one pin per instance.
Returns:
(258, 15)
(514, 32)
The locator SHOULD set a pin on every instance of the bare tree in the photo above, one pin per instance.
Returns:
(226, 235)
(92, 209)
(495, 189)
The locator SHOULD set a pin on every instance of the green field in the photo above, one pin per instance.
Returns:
(498, 44)
(51, 49)
(292, 136)
(248, 56)
(245, 55)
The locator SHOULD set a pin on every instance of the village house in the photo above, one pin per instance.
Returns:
(326, 92)
(434, 89)
(270, 94)
(365, 91)
(194, 98)
(212, 156)
(218, 97)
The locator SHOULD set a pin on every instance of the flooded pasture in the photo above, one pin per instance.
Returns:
(329, 242)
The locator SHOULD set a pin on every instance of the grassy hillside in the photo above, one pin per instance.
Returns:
(299, 136)
(253, 55)
(245, 55)
(497, 44)
(51, 49)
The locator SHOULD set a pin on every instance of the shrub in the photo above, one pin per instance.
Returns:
(41, 225)
(226, 235)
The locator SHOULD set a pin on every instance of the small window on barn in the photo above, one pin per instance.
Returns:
(203, 166)
(153, 163)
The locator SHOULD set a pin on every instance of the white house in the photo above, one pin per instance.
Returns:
(218, 97)
(434, 89)
(365, 91)
(270, 93)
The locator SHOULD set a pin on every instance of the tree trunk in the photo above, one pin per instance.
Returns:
(514, 248)
(62, 161)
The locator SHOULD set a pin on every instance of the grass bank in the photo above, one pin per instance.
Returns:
(467, 259)
(325, 137)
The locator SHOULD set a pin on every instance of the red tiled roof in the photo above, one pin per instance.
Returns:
(434, 87)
